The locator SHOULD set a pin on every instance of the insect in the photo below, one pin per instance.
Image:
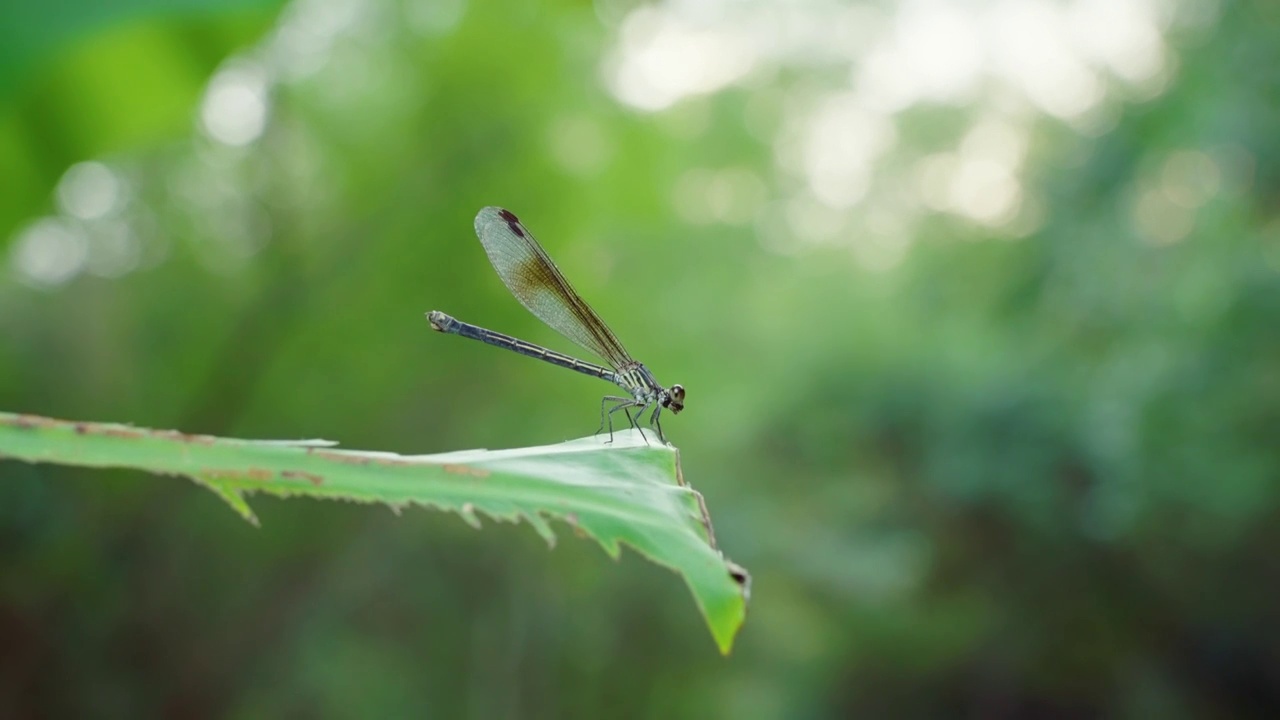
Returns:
(538, 284)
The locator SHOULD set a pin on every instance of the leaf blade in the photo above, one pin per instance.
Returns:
(627, 493)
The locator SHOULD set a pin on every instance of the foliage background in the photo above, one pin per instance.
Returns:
(976, 305)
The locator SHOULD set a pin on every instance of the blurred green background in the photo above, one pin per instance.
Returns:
(977, 305)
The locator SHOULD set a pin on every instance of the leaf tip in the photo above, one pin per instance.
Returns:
(468, 513)
(540, 525)
(232, 497)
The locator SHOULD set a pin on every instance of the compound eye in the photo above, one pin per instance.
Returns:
(677, 393)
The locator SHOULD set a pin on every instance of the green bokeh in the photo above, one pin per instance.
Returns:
(1029, 477)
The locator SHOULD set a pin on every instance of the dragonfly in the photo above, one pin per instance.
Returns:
(531, 276)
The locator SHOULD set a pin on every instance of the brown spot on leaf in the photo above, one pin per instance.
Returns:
(466, 470)
(312, 478)
(339, 457)
(32, 422)
(117, 432)
(250, 474)
(739, 575)
(572, 519)
(356, 458)
(184, 437)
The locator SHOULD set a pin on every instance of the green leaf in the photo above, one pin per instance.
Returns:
(628, 492)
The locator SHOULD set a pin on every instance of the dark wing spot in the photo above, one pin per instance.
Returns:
(513, 222)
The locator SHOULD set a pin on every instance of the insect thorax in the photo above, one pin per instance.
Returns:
(636, 379)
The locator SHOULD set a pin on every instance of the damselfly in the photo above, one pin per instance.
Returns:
(537, 283)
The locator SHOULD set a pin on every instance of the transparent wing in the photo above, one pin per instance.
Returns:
(537, 283)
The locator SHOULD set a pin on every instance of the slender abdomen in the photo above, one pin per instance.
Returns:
(452, 326)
